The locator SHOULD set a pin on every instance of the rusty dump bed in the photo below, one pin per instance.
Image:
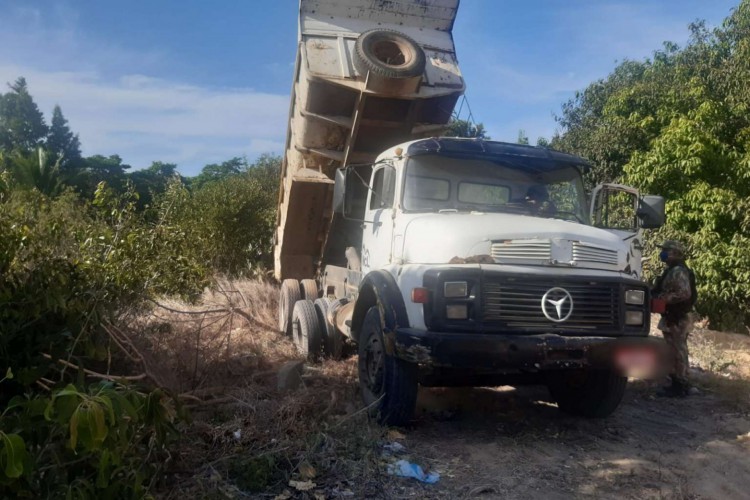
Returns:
(354, 96)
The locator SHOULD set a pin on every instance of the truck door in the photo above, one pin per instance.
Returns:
(614, 207)
(378, 226)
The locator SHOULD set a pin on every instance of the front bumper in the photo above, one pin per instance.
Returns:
(498, 353)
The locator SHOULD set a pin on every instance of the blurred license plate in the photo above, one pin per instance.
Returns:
(636, 361)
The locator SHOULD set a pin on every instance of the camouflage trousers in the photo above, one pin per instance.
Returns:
(675, 335)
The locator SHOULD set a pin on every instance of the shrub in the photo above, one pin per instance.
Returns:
(67, 267)
(231, 220)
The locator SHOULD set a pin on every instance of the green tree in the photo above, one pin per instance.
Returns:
(22, 125)
(98, 168)
(266, 170)
(678, 125)
(36, 170)
(218, 171)
(152, 181)
(231, 218)
(466, 128)
(522, 137)
(63, 143)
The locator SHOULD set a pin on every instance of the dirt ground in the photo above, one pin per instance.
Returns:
(512, 443)
(248, 439)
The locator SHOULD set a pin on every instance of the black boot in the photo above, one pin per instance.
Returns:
(678, 389)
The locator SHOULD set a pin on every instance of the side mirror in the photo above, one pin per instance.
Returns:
(651, 212)
(339, 191)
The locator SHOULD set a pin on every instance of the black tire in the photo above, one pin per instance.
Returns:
(587, 393)
(309, 289)
(288, 296)
(306, 329)
(388, 384)
(332, 340)
(389, 54)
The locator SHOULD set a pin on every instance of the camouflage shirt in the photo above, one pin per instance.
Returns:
(675, 287)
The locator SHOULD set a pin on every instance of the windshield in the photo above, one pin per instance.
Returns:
(438, 183)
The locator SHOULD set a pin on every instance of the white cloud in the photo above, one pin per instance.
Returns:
(144, 119)
(111, 99)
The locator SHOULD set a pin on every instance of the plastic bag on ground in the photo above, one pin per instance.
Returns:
(403, 468)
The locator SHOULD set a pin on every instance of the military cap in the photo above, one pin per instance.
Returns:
(673, 245)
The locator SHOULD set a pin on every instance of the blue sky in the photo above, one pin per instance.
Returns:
(196, 82)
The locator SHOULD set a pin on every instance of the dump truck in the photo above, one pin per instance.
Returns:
(445, 261)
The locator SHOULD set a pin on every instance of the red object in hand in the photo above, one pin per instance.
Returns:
(658, 306)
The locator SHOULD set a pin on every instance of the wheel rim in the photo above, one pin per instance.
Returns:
(373, 366)
(391, 53)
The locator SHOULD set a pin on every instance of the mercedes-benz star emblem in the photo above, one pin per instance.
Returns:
(557, 304)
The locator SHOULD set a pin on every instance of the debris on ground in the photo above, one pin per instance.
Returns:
(302, 485)
(404, 468)
(289, 377)
(393, 448)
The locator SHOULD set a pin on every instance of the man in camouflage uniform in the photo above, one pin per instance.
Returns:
(676, 287)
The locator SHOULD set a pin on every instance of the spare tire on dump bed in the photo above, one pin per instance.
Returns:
(388, 54)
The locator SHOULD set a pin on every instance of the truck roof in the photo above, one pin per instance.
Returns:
(518, 155)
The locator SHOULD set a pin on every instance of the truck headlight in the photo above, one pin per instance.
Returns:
(634, 318)
(635, 297)
(453, 289)
(456, 311)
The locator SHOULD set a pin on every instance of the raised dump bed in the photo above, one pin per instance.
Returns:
(369, 74)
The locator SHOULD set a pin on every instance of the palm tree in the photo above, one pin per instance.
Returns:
(36, 170)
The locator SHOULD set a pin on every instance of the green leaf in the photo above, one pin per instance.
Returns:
(102, 476)
(12, 454)
(99, 427)
(9, 374)
(74, 419)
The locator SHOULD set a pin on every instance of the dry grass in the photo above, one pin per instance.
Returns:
(221, 357)
(720, 362)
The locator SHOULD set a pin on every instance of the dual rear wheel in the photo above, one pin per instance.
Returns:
(303, 317)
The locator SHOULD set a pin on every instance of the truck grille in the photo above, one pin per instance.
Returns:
(510, 251)
(591, 254)
(519, 304)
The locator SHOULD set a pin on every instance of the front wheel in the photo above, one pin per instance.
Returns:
(587, 393)
(388, 384)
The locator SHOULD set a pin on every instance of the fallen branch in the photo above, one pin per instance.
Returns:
(252, 321)
(215, 401)
(121, 338)
(178, 311)
(92, 373)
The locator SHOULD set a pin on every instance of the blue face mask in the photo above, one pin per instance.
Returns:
(663, 255)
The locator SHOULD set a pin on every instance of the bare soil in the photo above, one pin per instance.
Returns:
(250, 440)
(513, 444)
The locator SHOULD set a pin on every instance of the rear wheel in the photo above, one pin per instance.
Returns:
(332, 339)
(587, 393)
(306, 329)
(388, 384)
(288, 296)
(309, 289)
